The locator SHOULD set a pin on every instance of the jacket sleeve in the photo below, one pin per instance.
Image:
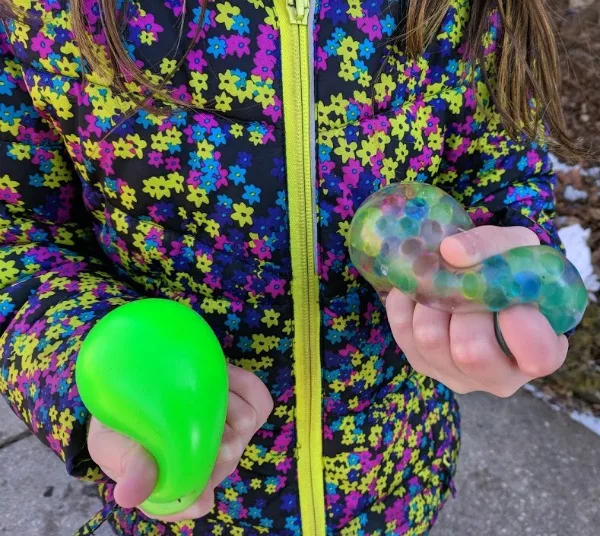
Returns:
(53, 284)
(499, 180)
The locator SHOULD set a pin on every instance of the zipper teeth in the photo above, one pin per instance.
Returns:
(296, 43)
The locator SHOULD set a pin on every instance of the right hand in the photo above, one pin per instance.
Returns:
(135, 472)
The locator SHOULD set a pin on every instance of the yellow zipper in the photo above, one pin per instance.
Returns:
(297, 106)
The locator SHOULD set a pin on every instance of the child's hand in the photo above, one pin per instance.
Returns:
(461, 350)
(135, 472)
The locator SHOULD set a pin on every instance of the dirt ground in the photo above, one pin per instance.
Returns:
(577, 384)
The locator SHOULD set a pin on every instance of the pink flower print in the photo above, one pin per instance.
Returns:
(238, 46)
(147, 23)
(325, 168)
(196, 61)
(222, 182)
(382, 124)
(274, 111)
(181, 93)
(8, 195)
(275, 288)
(42, 45)
(344, 207)
(221, 242)
(321, 60)
(264, 65)
(470, 101)
(455, 154)
(267, 38)
(532, 159)
(371, 26)
(91, 127)
(377, 163)
(173, 163)
(212, 281)
(481, 216)
(155, 159)
(207, 121)
(351, 173)
(107, 156)
(432, 125)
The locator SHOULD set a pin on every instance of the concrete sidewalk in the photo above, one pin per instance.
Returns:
(525, 470)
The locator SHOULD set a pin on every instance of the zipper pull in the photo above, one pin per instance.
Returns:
(298, 10)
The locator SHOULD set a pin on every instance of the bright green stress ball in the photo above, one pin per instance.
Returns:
(154, 371)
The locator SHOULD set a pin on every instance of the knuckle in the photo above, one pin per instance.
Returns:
(401, 324)
(246, 418)
(429, 337)
(467, 354)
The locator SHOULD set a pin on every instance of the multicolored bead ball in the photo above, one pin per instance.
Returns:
(395, 240)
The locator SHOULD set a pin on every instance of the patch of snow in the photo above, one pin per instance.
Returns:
(588, 420)
(573, 194)
(575, 238)
(542, 396)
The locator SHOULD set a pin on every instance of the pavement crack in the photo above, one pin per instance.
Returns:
(15, 439)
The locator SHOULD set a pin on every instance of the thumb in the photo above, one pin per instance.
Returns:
(471, 247)
(124, 461)
(137, 479)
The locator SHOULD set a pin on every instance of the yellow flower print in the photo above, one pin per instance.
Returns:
(205, 149)
(242, 213)
(67, 67)
(160, 187)
(159, 142)
(256, 483)
(236, 130)
(388, 169)
(203, 263)
(212, 228)
(347, 71)
(167, 65)
(368, 149)
(271, 318)
(197, 196)
(348, 49)
(365, 79)
(346, 150)
(226, 14)
(223, 102)
(199, 81)
(265, 95)
(256, 138)
(8, 272)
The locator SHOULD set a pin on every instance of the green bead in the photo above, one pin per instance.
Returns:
(400, 276)
(473, 285)
(442, 213)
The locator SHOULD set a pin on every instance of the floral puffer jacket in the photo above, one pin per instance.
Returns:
(239, 206)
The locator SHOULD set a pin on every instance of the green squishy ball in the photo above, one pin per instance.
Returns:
(154, 371)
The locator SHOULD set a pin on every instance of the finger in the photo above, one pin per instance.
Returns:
(471, 247)
(432, 336)
(253, 391)
(137, 479)
(478, 355)
(124, 461)
(203, 505)
(242, 416)
(537, 349)
(400, 312)
(232, 446)
(431, 329)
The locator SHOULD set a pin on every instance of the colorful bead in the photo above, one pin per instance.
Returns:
(395, 240)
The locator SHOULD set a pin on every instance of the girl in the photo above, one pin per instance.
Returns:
(215, 154)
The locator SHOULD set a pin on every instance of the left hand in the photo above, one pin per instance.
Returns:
(461, 350)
